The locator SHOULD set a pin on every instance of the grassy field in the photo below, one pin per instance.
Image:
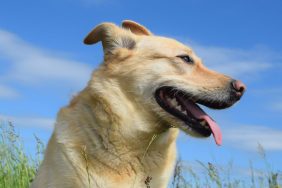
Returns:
(18, 169)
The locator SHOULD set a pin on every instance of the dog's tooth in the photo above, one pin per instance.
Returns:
(178, 108)
(203, 123)
(173, 102)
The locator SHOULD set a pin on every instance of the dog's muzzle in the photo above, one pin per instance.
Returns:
(184, 107)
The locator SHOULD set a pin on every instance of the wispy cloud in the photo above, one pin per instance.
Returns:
(234, 61)
(275, 99)
(237, 62)
(8, 93)
(277, 106)
(28, 64)
(248, 137)
(32, 122)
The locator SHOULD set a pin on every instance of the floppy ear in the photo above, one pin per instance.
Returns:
(135, 28)
(112, 37)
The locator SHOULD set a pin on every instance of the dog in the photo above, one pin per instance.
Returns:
(121, 130)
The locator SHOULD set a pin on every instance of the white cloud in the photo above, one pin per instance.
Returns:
(31, 65)
(8, 93)
(237, 62)
(32, 122)
(248, 137)
(232, 61)
(28, 64)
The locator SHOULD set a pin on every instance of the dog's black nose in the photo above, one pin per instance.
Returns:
(238, 87)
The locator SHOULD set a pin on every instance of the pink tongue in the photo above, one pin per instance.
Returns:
(201, 115)
(215, 129)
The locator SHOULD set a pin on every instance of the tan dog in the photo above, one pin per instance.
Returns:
(121, 130)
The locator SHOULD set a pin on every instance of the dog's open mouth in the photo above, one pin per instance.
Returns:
(180, 105)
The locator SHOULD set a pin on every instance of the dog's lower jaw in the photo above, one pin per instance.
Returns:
(99, 143)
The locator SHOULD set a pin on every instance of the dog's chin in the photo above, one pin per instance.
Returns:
(190, 129)
(188, 116)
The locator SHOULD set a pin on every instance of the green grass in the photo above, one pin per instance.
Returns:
(212, 176)
(18, 169)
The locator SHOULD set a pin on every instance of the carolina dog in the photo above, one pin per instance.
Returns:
(146, 86)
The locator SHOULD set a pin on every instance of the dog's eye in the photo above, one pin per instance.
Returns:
(186, 58)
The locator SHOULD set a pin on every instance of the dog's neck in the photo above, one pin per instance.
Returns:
(116, 111)
(116, 132)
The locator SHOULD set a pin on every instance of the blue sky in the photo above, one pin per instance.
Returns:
(40, 40)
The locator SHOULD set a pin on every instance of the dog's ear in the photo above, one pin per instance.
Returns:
(135, 28)
(112, 37)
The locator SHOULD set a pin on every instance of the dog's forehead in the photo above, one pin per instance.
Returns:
(164, 45)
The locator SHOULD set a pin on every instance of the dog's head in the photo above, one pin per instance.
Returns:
(166, 77)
